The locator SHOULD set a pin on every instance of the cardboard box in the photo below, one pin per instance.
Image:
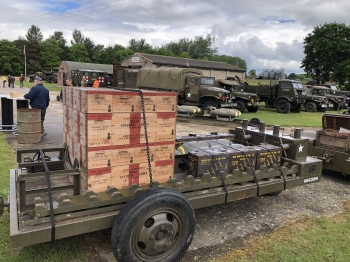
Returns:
(97, 180)
(94, 100)
(124, 176)
(166, 102)
(126, 101)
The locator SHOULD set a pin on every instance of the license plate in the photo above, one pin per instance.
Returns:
(229, 105)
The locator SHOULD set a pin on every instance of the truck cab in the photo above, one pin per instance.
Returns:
(316, 100)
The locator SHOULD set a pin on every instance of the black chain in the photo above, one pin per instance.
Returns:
(145, 128)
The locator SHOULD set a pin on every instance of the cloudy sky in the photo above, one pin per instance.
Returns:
(266, 34)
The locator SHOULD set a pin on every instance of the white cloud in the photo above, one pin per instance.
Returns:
(265, 34)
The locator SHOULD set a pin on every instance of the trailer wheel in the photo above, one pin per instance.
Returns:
(252, 109)
(321, 109)
(282, 106)
(241, 106)
(156, 225)
(207, 106)
(310, 107)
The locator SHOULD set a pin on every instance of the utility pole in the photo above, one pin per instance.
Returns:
(25, 62)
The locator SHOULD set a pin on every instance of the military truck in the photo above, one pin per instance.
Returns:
(338, 92)
(244, 100)
(338, 101)
(50, 76)
(315, 100)
(39, 74)
(285, 95)
(189, 83)
(90, 76)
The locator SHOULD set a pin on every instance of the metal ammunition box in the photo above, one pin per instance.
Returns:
(194, 137)
(199, 162)
(268, 155)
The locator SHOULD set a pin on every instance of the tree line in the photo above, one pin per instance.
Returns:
(47, 54)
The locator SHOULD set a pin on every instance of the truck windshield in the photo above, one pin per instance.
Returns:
(333, 87)
(298, 85)
(207, 81)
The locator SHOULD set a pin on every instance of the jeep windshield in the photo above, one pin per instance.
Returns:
(297, 85)
(207, 81)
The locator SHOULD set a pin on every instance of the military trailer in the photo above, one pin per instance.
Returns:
(90, 76)
(244, 100)
(154, 222)
(285, 95)
(192, 87)
(338, 101)
(331, 144)
(315, 100)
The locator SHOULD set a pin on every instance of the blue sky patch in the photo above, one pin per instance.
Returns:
(60, 7)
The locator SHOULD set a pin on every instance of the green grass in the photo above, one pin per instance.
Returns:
(271, 117)
(70, 249)
(49, 86)
(318, 239)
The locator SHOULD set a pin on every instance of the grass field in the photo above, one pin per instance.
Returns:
(49, 86)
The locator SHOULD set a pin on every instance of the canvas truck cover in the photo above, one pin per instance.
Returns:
(165, 78)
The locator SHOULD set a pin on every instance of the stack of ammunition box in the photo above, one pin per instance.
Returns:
(104, 132)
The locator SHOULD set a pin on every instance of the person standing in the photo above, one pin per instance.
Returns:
(21, 79)
(96, 84)
(9, 80)
(12, 81)
(39, 99)
(3, 81)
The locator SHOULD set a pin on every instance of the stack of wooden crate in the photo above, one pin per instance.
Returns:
(104, 132)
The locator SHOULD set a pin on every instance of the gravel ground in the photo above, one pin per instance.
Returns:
(225, 227)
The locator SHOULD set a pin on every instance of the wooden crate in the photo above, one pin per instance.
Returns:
(335, 121)
(125, 101)
(164, 150)
(92, 100)
(97, 180)
(166, 102)
(166, 127)
(332, 140)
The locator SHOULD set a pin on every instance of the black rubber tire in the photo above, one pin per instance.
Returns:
(252, 109)
(321, 109)
(283, 106)
(310, 107)
(297, 109)
(240, 106)
(254, 121)
(152, 219)
(274, 193)
(269, 104)
(335, 105)
(206, 105)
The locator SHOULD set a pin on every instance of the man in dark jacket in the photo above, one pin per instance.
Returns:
(39, 99)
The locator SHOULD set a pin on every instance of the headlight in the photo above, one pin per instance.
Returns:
(220, 95)
(249, 97)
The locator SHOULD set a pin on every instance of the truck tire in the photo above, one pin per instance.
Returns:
(240, 106)
(274, 193)
(155, 225)
(252, 109)
(207, 105)
(310, 107)
(321, 109)
(283, 106)
(297, 108)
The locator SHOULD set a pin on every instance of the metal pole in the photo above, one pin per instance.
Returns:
(25, 62)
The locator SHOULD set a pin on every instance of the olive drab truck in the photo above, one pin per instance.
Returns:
(90, 75)
(315, 100)
(285, 95)
(244, 100)
(338, 100)
(192, 87)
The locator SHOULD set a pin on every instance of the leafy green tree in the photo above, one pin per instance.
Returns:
(50, 54)
(232, 60)
(34, 35)
(327, 53)
(252, 72)
(292, 76)
(121, 55)
(89, 45)
(78, 53)
(185, 55)
(9, 55)
(164, 52)
(99, 52)
(58, 36)
(78, 37)
(140, 46)
(32, 54)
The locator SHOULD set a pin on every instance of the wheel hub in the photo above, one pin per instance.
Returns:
(157, 234)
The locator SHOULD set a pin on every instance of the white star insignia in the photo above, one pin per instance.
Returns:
(189, 95)
(301, 148)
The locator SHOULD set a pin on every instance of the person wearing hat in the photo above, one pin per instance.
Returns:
(39, 99)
